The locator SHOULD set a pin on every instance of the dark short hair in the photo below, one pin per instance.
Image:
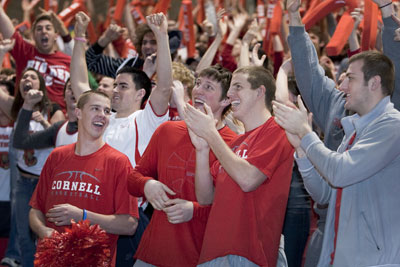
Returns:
(223, 77)
(41, 17)
(140, 80)
(376, 63)
(258, 76)
(84, 97)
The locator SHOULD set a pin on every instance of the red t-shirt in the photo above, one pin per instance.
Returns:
(96, 182)
(250, 224)
(54, 67)
(171, 158)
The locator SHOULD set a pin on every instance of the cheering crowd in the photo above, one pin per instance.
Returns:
(212, 140)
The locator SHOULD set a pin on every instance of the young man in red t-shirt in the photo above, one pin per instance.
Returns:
(165, 176)
(249, 184)
(42, 56)
(86, 180)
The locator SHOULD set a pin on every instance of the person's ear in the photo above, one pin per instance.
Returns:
(78, 113)
(141, 94)
(261, 91)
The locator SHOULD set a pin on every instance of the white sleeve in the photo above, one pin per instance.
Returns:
(147, 122)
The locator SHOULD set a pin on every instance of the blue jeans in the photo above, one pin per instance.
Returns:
(26, 240)
(127, 245)
(13, 250)
(295, 229)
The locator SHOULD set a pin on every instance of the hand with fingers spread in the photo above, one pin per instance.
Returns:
(81, 23)
(255, 60)
(293, 120)
(156, 193)
(62, 214)
(200, 123)
(178, 210)
(239, 20)
(222, 28)
(251, 33)
(158, 23)
(27, 5)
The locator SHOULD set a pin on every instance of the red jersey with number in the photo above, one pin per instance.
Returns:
(170, 158)
(54, 67)
(250, 224)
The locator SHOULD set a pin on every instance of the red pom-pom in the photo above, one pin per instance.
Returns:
(80, 245)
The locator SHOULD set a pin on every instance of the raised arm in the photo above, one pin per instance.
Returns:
(391, 47)
(318, 91)
(100, 63)
(282, 91)
(252, 32)
(6, 26)
(6, 100)
(79, 72)
(37, 140)
(129, 22)
(357, 16)
(209, 55)
(160, 95)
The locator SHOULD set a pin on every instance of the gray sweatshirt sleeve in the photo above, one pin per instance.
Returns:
(316, 186)
(391, 49)
(318, 91)
(358, 163)
(37, 140)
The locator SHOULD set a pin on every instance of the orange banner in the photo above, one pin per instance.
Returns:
(272, 26)
(368, 37)
(324, 8)
(70, 11)
(187, 27)
(162, 6)
(137, 14)
(201, 16)
(119, 11)
(341, 35)
(261, 15)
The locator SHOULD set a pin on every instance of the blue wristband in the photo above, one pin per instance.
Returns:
(84, 215)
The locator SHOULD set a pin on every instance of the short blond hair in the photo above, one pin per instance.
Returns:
(181, 73)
